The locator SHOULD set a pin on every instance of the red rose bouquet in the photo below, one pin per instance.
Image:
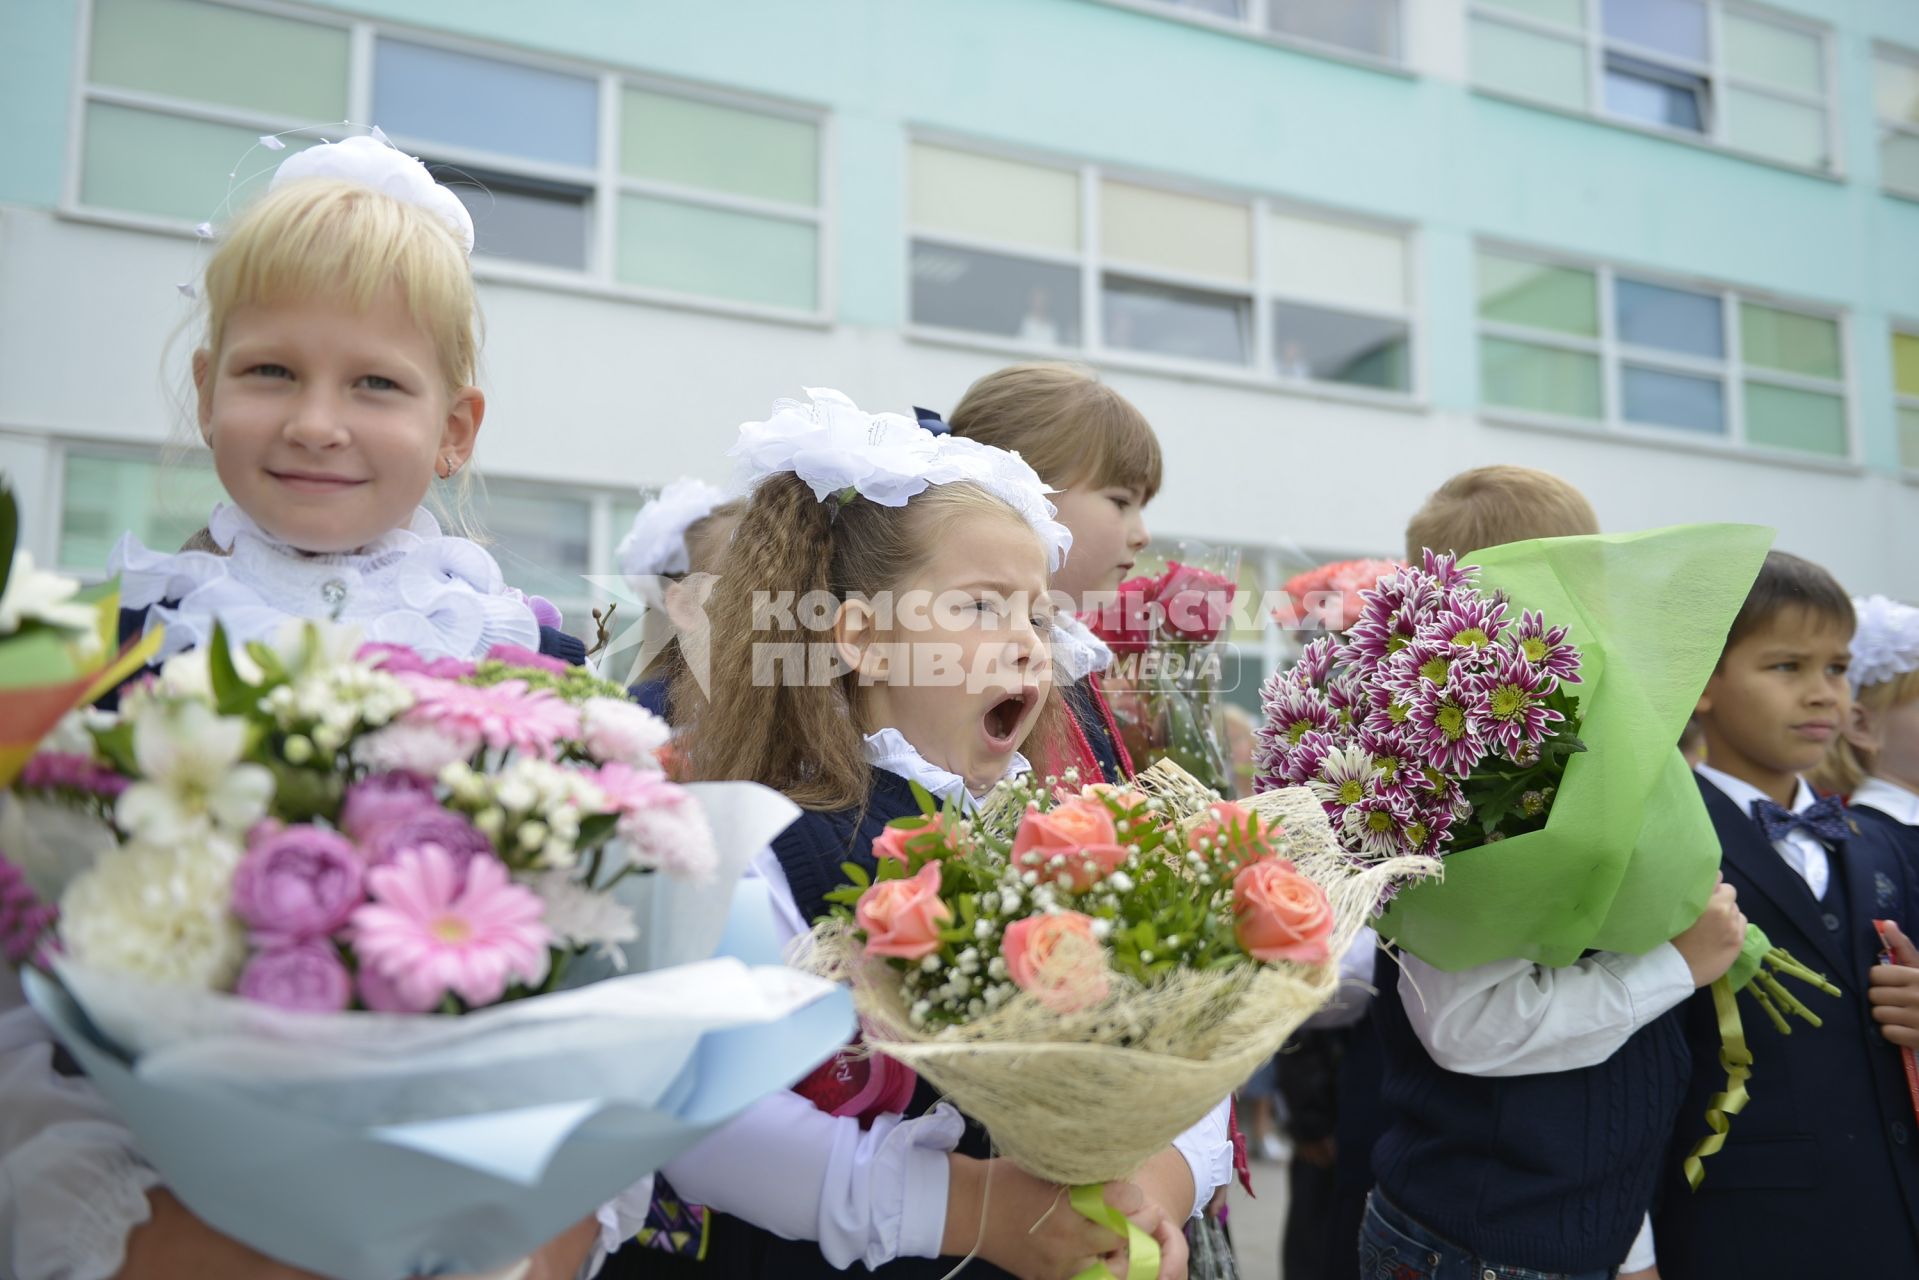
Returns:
(1166, 633)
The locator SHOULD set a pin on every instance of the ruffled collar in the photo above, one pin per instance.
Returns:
(1890, 799)
(442, 596)
(888, 749)
(1077, 652)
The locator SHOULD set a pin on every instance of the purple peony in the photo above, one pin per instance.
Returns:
(381, 994)
(383, 799)
(449, 831)
(298, 883)
(306, 977)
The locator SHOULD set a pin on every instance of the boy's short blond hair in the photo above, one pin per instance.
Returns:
(1491, 506)
(1071, 428)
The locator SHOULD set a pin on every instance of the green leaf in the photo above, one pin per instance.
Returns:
(232, 695)
(116, 744)
(9, 534)
(856, 874)
(595, 830)
(924, 799)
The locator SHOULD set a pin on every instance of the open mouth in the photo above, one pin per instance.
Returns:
(1006, 720)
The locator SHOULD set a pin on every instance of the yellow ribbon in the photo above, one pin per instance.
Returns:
(1142, 1251)
(1736, 1058)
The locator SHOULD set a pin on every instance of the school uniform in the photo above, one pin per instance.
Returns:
(1819, 1175)
(1890, 810)
(1094, 746)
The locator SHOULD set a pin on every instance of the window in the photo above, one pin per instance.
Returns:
(1612, 347)
(999, 247)
(1370, 28)
(1895, 86)
(1740, 77)
(702, 197)
(1905, 382)
(108, 491)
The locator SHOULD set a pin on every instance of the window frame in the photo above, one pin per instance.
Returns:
(1093, 268)
(1732, 370)
(1885, 51)
(604, 180)
(1253, 26)
(1591, 36)
(1902, 328)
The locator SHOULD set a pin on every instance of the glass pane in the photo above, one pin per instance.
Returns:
(211, 53)
(964, 193)
(143, 162)
(1769, 126)
(1899, 162)
(1785, 57)
(1331, 346)
(1568, 13)
(1217, 8)
(437, 95)
(1529, 65)
(1176, 322)
(992, 293)
(1789, 341)
(1650, 94)
(718, 254)
(516, 218)
(1331, 262)
(1677, 27)
(702, 144)
(1176, 232)
(1672, 399)
(1788, 418)
(103, 497)
(1539, 296)
(1653, 315)
(1895, 89)
(543, 543)
(1519, 375)
(1909, 439)
(1905, 363)
(1370, 26)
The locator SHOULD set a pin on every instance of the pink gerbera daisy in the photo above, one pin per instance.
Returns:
(504, 716)
(428, 933)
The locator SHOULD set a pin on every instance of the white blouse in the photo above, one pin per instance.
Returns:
(415, 586)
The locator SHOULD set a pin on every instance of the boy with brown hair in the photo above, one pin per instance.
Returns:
(1820, 1175)
(1489, 506)
(1527, 1108)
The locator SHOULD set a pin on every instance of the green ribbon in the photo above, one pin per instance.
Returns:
(1142, 1251)
(1736, 1058)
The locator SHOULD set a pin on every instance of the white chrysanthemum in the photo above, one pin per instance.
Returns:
(159, 913)
(578, 917)
(188, 674)
(408, 748)
(616, 731)
(34, 595)
(1346, 777)
(192, 782)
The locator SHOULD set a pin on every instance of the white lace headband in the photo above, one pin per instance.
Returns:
(372, 161)
(1885, 641)
(887, 458)
(656, 544)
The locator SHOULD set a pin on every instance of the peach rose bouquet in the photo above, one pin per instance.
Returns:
(1060, 956)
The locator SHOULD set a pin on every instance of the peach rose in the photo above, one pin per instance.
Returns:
(1057, 959)
(892, 841)
(1225, 826)
(902, 918)
(1281, 914)
(1079, 831)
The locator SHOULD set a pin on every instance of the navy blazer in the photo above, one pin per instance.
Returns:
(1902, 835)
(1820, 1173)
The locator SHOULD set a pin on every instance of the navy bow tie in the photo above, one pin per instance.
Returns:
(1826, 819)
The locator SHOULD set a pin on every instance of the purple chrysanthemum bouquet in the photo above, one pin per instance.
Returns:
(1439, 722)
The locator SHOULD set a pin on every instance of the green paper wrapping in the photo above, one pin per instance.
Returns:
(1628, 856)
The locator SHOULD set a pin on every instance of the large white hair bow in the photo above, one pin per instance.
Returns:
(1885, 642)
(369, 162)
(656, 544)
(887, 458)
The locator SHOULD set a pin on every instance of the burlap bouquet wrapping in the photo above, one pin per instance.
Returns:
(1088, 1097)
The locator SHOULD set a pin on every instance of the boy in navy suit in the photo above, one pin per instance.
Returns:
(1820, 1174)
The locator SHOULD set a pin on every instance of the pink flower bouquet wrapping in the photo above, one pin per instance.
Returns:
(386, 915)
(1062, 957)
